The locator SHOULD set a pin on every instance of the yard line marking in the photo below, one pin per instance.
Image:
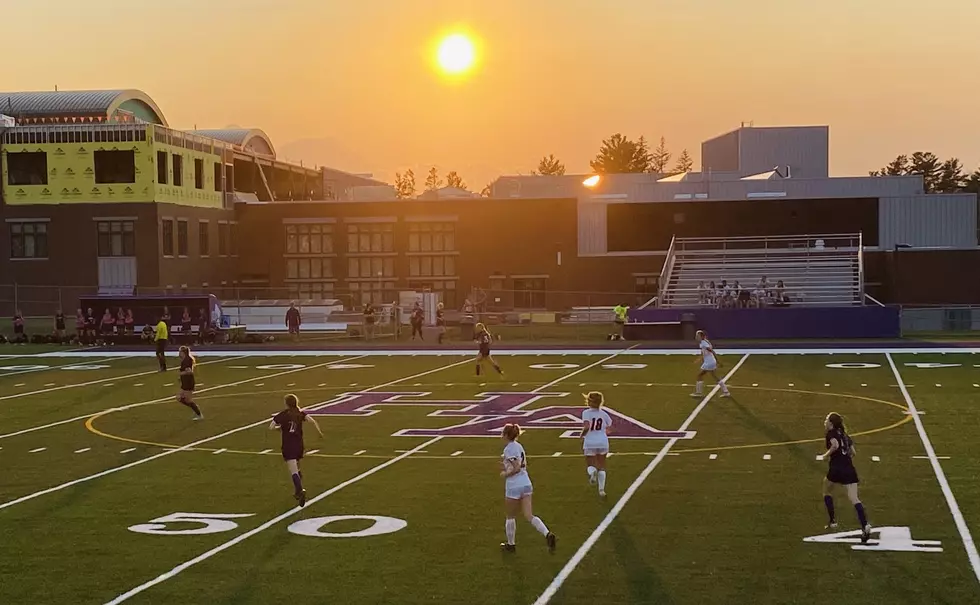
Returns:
(755, 384)
(142, 403)
(712, 456)
(826, 384)
(83, 450)
(581, 384)
(954, 509)
(237, 367)
(418, 449)
(766, 457)
(649, 384)
(20, 384)
(58, 366)
(875, 459)
(928, 458)
(90, 383)
(291, 384)
(939, 385)
(127, 450)
(261, 384)
(50, 384)
(456, 453)
(311, 452)
(407, 451)
(271, 522)
(109, 384)
(267, 450)
(139, 384)
(819, 457)
(220, 451)
(615, 384)
(976, 386)
(792, 385)
(864, 384)
(322, 384)
(583, 550)
(359, 452)
(40, 449)
(556, 455)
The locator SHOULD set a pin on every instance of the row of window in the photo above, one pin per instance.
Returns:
(370, 267)
(82, 135)
(317, 238)
(30, 239)
(227, 238)
(164, 174)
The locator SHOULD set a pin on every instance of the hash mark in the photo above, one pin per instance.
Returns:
(581, 384)
(138, 384)
(826, 384)
(615, 384)
(684, 384)
(712, 456)
(755, 384)
(322, 384)
(976, 386)
(939, 385)
(417, 384)
(311, 452)
(819, 457)
(359, 453)
(127, 450)
(514, 385)
(766, 457)
(291, 384)
(221, 451)
(792, 385)
(20, 384)
(109, 384)
(863, 384)
(83, 450)
(50, 384)
(40, 449)
(456, 453)
(649, 384)
(875, 459)
(266, 451)
(260, 384)
(556, 455)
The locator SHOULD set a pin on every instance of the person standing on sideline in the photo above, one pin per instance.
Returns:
(418, 317)
(293, 320)
(160, 338)
(59, 326)
(620, 319)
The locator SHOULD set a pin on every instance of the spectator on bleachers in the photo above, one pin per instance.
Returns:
(703, 296)
(764, 285)
(724, 293)
(782, 298)
(744, 297)
(759, 298)
(712, 293)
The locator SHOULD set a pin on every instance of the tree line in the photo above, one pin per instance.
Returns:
(617, 154)
(937, 176)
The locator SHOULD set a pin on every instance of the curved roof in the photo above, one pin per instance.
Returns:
(248, 139)
(80, 103)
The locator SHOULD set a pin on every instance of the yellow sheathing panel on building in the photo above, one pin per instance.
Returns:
(187, 194)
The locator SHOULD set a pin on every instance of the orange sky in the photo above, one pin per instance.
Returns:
(351, 84)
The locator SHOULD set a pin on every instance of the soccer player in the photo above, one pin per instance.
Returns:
(160, 337)
(187, 382)
(484, 338)
(59, 326)
(709, 365)
(293, 320)
(518, 489)
(840, 451)
(440, 322)
(596, 425)
(289, 422)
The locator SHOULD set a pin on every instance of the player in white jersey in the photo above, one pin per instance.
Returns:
(596, 425)
(709, 364)
(517, 490)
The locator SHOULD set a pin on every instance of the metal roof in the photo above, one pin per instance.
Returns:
(71, 103)
(241, 137)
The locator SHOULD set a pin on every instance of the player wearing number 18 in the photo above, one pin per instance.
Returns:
(840, 452)
(517, 490)
(290, 422)
(596, 426)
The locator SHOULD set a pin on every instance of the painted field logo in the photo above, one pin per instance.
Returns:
(486, 415)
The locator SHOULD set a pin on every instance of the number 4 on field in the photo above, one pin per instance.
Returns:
(892, 539)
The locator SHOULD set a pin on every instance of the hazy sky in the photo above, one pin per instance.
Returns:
(351, 83)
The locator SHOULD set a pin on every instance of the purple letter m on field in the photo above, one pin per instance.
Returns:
(486, 415)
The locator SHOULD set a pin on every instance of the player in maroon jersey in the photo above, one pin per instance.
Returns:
(290, 423)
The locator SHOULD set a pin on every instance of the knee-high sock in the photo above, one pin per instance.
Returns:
(828, 501)
(297, 482)
(510, 529)
(602, 481)
(862, 517)
(539, 525)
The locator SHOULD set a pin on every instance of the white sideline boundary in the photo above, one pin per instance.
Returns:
(242, 537)
(93, 382)
(954, 509)
(369, 352)
(583, 550)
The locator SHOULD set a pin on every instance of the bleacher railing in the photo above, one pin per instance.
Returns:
(665, 272)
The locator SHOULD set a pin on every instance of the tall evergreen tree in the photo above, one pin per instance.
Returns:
(405, 184)
(432, 181)
(684, 163)
(454, 180)
(619, 154)
(550, 166)
(660, 158)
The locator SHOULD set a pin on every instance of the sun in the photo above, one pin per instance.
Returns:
(456, 54)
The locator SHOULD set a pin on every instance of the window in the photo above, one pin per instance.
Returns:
(27, 168)
(117, 238)
(371, 237)
(178, 161)
(309, 268)
(432, 237)
(223, 239)
(446, 290)
(204, 238)
(217, 177)
(647, 284)
(28, 240)
(115, 166)
(376, 266)
(162, 168)
(198, 173)
(311, 290)
(497, 283)
(529, 293)
(181, 238)
(167, 244)
(374, 292)
(438, 266)
(309, 239)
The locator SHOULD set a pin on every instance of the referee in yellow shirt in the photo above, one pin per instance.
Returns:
(160, 337)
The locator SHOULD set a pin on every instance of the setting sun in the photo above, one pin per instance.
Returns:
(456, 54)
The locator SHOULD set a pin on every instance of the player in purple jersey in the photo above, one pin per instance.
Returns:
(484, 338)
(187, 382)
(840, 454)
(290, 423)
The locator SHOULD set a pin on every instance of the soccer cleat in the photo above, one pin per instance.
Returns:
(832, 525)
(696, 395)
(552, 542)
(301, 497)
(726, 395)
(507, 547)
(602, 494)
(866, 534)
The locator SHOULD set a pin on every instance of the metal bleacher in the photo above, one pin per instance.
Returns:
(816, 270)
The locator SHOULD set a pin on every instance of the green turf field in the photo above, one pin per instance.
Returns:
(98, 505)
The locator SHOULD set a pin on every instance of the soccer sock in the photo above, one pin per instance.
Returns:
(602, 481)
(590, 471)
(496, 367)
(510, 528)
(540, 526)
(724, 387)
(828, 501)
(862, 517)
(194, 407)
(699, 387)
(477, 369)
(297, 482)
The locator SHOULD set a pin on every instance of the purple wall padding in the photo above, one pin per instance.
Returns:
(787, 322)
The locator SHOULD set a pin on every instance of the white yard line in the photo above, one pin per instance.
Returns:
(241, 538)
(583, 550)
(172, 451)
(961, 526)
(100, 381)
